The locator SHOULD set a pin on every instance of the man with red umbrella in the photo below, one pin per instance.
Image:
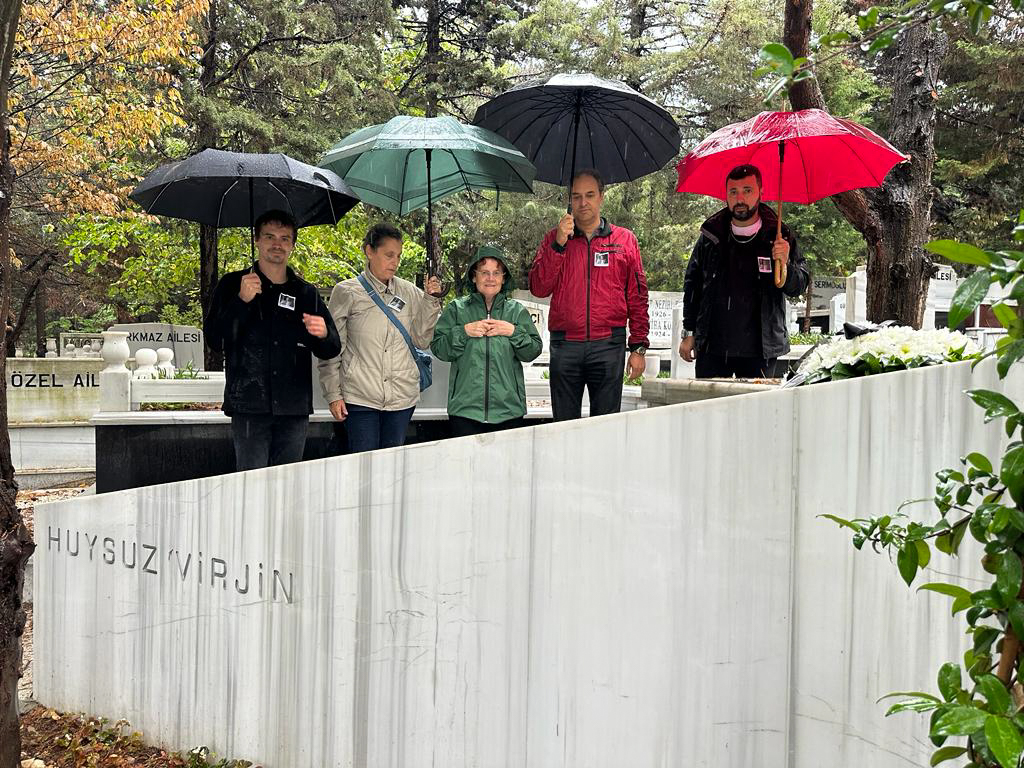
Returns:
(734, 316)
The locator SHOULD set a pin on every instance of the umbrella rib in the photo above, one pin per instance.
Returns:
(282, 194)
(616, 144)
(555, 114)
(401, 189)
(871, 173)
(220, 208)
(518, 175)
(458, 166)
(163, 189)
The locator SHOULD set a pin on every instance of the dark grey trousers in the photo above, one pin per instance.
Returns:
(266, 441)
(597, 366)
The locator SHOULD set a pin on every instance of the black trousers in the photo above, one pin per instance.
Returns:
(711, 366)
(266, 441)
(597, 366)
(461, 427)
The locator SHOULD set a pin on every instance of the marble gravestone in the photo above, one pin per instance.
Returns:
(185, 340)
(653, 588)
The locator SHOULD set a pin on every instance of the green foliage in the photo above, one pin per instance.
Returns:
(985, 498)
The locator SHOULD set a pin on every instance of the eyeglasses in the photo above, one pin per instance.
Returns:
(490, 274)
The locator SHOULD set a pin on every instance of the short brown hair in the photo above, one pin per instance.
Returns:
(742, 171)
(592, 173)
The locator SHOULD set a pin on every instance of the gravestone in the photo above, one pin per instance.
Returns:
(185, 340)
(857, 296)
(659, 308)
(823, 289)
(538, 309)
(837, 313)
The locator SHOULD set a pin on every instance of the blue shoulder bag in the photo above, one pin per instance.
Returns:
(420, 357)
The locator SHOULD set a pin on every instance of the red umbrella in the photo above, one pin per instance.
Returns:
(812, 153)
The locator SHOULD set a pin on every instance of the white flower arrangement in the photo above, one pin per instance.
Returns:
(887, 349)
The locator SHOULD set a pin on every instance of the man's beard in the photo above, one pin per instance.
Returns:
(742, 212)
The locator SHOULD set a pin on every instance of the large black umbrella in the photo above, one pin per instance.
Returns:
(232, 189)
(575, 121)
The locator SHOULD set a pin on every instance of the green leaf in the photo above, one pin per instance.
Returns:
(1008, 355)
(1004, 740)
(1006, 316)
(1016, 613)
(946, 753)
(968, 296)
(960, 721)
(867, 19)
(1009, 575)
(834, 39)
(950, 680)
(979, 16)
(995, 694)
(996, 405)
(842, 522)
(950, 590)
(980, 461)
(944, 543)
(924, 553)
(1011, 473)
(965, 253)
(916, 704)
(906, 561)
(778, 57)
(883, 41)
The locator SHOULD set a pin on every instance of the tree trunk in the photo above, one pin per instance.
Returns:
(432, 233)
(15, 543)
(40, 304)
(807, 305)
(206, 134)
(37, 274)
(895, 218)
(433, 56)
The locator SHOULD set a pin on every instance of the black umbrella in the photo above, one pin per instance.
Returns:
(232, 189)
(567, 122)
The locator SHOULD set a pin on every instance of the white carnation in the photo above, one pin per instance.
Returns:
(895, 347)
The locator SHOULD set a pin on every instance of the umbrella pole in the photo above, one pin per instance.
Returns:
(575, 136)
(431, 268)
(252, 227)
(780, 268)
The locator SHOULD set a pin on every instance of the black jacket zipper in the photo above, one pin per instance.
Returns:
(590, 270)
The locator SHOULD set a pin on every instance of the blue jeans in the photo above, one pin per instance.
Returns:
(370, 429)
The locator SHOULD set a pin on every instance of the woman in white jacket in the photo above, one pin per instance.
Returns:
(373, 385)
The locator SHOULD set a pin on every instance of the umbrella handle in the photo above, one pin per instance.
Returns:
(780, 268)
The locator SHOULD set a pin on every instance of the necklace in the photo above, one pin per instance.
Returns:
(742, 240)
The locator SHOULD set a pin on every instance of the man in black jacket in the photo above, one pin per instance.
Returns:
(268, 320)
(734, 318)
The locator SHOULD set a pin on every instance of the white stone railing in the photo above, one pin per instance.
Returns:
(152, 381)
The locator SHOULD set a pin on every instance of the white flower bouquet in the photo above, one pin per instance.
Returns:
(895, 348)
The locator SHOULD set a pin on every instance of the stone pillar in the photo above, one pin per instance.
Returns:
(115, 379)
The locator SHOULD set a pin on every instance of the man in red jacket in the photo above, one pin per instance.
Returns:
(593, 273)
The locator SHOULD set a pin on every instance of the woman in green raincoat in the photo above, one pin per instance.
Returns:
(486, 336)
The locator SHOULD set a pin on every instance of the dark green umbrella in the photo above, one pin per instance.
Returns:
(409, 162)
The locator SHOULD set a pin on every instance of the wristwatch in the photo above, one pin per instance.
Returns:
(638, 349)
(687, 334)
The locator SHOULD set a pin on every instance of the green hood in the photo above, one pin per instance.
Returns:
(490, 252)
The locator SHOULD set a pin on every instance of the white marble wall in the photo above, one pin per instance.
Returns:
(647, 589)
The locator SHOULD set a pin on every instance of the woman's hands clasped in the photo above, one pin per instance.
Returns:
(489, 328)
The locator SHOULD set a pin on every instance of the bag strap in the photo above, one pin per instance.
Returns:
(390, 315)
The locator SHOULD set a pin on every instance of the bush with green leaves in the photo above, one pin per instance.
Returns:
(981, 698)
